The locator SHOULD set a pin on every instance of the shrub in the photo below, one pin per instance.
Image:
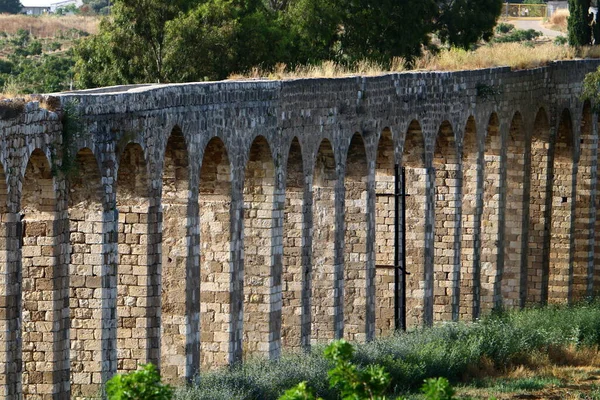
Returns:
(560, 40)
(504, 27)
(143, 384)
(518, 35)
(448, 350)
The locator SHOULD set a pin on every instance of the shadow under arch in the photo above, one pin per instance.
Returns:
(86, 272)
(215, 253)
(178, 351)
(259, 186)
(471, 222)
(536, 286)
(42, 278)
(491, 207)
(133, 275)
(385, 214)
(560, 267)
(323, 251)
(293, 280)
(447, 188)
(413, 160)
(355, 241)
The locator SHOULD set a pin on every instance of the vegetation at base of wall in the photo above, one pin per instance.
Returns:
(143, 384)
(453, 350)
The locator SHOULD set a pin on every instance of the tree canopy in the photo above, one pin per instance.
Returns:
(10, 6)
(191, 40)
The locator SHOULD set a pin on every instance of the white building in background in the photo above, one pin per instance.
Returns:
(35, 7)
(54, 4)
(39, 7)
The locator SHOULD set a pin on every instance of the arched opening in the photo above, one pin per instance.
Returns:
(215, 253)
(132, 272)
(323, 295)
(385, 209)
(40, 281)
(292, 279)
(355, 241)
(538, 190)
(560, 272)
(447, 186)
(583, 263)
(510, 276)
(259, 184)
(85, 271)
(413, 160)
(176, 232)
(471, 222)
(490, 213)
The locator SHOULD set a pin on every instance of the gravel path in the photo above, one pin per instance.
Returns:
(534, 24)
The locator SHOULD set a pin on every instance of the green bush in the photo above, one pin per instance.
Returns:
(143, 384)
(504, 27)
(560, 40)
(447, 350)
(518, 35)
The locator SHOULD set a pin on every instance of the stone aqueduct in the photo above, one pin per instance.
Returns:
(193, 225)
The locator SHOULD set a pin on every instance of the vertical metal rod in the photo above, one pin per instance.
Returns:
(399, 249)
(404, 269)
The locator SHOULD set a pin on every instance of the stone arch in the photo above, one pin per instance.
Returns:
(470, 272)
(584, 223)
(413, 160)
(355, 240)
(560, 270)
(133, 280)
(40, 282)
(176, 237)
(85, 272)
(446, 165)
(259, 185)
(536, 285)
(292, 279)
(215, 253)
(490, 212)
(385, 214)
(323, 252)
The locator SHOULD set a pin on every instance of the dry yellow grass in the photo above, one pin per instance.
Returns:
(558, 20)
(514, 55)
(47, 26)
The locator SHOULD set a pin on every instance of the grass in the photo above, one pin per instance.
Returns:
(47, 26)
(558, 20)
(525, 348)
(517, 56)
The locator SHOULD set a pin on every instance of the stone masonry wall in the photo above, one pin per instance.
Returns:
(195, 225)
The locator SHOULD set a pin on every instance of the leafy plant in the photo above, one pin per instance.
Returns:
(353, 383)
(438, 389)
(503, 27)
(143, 384)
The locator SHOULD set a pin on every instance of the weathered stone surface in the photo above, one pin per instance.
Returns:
(194, 225)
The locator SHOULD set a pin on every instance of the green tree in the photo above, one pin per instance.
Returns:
(579, 29)
(382, 29)
(10, 6)
(461, 23)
